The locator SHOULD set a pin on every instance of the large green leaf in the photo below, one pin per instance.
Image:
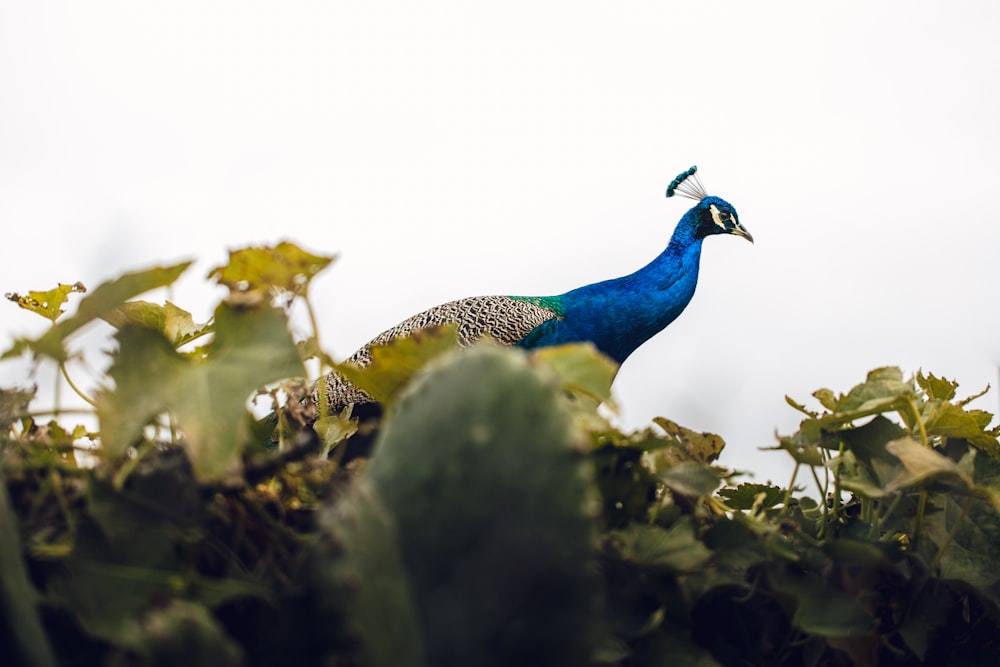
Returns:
(821, 609)
(675, 548)
(252, 347)
(22, 638)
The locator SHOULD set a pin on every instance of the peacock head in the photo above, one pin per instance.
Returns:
(711, 215)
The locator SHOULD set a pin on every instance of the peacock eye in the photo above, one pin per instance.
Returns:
(724, 216)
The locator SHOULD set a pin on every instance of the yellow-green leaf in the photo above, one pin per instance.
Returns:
(394, 364)
(105, 299)
(49, 303)
(580, 368)
(284, 267)
(175, 323)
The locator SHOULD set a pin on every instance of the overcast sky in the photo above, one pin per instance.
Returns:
(448, 149)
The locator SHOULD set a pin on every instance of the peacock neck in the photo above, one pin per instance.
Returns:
(621, 314)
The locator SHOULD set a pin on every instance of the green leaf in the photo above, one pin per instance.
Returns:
(951, 421)
(333, 429)
(49, 303)
(819, 608)
(826, 398)
(882, 387)
(25, 639)
(747, 496)
(690, 479)
(261, 271)
(697, 446)
(806, 453)
(939, 388)
(359, 545)
(580, 368)
(676, 548)
(394, 364)
(801, 408)
(100, 303)
(866, 467)
(862, 477)
(922, 463)
(252, 347)
(175, 323)
(971, 549)
(179, 633)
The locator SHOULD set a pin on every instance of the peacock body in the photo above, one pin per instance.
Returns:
(616, 315)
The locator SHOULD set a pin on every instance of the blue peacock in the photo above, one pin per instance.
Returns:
(616, 315)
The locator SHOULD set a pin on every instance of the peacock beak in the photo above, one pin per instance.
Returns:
(740, 230)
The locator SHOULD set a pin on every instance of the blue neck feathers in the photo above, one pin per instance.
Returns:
(621, 314)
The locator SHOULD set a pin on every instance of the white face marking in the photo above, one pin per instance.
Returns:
(717, 217)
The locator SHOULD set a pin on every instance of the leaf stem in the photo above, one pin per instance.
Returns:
(920, 422)
(314, 324)
(823, 498)
(72, 385)
(922, 498)
(791, 484)
(879, 522)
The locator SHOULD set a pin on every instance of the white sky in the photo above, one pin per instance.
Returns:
(448, 149)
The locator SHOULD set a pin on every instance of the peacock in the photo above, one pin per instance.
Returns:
(616, 315)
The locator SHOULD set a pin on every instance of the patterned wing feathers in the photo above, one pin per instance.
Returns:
(501, 318)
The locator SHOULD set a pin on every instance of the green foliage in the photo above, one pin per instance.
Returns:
(501, 520)
(102, 303)
(176, 324)
(481, 470)
(252, 347)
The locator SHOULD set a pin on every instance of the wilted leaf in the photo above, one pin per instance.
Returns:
(284, 267)
(394, 364)
(49, 303)
(252, 347)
